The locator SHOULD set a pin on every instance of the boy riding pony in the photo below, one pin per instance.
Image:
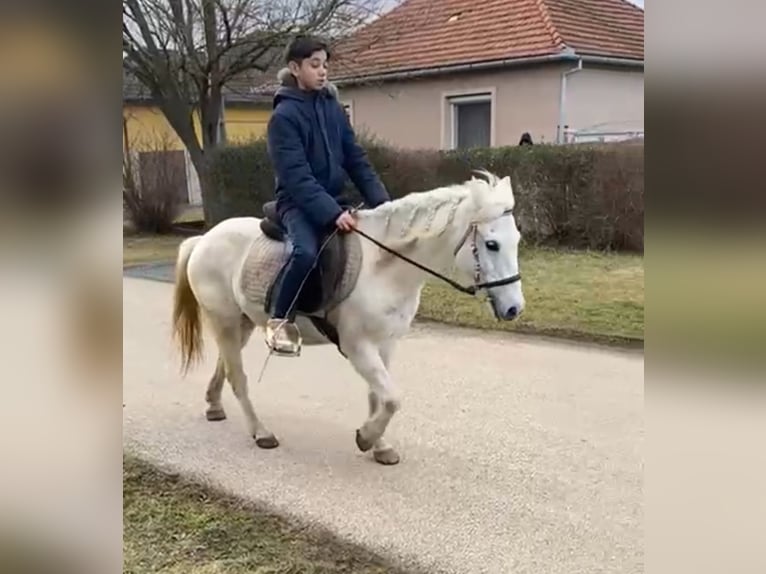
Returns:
(313, 149)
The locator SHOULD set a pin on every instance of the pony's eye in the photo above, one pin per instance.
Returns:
(492, 245)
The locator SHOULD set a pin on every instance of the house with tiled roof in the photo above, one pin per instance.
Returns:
(461, 73)
(246, 112)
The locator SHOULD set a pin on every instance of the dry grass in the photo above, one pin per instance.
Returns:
(576, 294)
(174, 526)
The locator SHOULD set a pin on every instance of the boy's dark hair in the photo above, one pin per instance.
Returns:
(303, 47)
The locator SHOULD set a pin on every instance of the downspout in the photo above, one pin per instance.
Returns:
(563, 100)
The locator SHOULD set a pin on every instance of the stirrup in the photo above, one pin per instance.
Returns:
(287, 343)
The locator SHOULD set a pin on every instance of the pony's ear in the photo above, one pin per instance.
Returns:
(504, 187)
(479, 190)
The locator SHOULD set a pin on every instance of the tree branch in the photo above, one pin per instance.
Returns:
(185, 30)
(186, 51)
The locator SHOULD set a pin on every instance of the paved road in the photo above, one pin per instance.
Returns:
(518, 455)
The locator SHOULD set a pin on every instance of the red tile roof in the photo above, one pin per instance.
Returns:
(421, 34)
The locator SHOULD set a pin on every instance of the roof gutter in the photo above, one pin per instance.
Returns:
(568, 56)
(606, 60)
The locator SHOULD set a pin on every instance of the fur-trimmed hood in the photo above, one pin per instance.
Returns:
(287, 80)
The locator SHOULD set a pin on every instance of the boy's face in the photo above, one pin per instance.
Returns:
(311, 74)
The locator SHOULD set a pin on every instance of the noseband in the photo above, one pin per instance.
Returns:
(472, 232)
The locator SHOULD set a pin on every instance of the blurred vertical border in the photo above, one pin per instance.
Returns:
(705, 288)
(60, 287)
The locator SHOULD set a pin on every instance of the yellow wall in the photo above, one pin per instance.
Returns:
(149, 130)
(244, 124)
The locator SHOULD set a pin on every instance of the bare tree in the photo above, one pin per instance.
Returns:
(185, 51)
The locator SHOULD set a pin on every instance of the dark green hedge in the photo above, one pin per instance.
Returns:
(574, 195)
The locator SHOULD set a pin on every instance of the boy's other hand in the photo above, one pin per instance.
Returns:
(346, 221)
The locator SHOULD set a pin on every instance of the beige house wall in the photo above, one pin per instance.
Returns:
(416, 113)
(605, 99)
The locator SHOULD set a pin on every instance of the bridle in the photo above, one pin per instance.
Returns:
(472, 232)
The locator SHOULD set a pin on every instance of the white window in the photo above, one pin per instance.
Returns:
(471, 120)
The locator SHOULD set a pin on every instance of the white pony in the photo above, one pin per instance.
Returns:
(468, 227)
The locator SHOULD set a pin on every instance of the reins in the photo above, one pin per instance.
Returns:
(469, 290)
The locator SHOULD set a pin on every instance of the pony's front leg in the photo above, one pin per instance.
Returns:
(383, 452)
(384, 402)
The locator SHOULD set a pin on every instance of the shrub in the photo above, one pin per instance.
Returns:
(151, 184)
(242, 180)
(585, 196)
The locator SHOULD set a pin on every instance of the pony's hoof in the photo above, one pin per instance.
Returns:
(269, 441)
(363, 444)
(215, 415)
(386, 456)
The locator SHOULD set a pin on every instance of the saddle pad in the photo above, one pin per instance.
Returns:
(265, 260)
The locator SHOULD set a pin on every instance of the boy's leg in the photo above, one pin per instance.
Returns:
(281, 334)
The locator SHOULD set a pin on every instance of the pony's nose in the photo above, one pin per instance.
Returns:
(512, 312)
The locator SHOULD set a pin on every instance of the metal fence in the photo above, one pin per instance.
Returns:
(588, 136)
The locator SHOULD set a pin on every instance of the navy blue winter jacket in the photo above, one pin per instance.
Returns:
(313, 149)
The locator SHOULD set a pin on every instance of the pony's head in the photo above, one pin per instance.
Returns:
(489, 250)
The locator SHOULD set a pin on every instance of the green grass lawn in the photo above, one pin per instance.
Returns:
(138, 249)
(575, 294)
(571, 293)
(174, 526)
(190, 214)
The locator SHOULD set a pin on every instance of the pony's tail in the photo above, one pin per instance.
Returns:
(187, 327)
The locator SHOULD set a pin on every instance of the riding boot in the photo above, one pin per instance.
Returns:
(283, 337)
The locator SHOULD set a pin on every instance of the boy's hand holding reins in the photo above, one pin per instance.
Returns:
(346, 221)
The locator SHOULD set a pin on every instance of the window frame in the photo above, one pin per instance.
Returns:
(450, 103)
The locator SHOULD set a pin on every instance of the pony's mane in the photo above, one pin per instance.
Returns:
(421, 214)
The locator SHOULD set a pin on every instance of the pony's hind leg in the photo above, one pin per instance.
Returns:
(215, 410)
(231, 339)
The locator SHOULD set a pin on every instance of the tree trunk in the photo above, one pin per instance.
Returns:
(210, 115)
(201, 163)
(208, 197)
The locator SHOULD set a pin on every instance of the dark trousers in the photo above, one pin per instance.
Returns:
(305, 243)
